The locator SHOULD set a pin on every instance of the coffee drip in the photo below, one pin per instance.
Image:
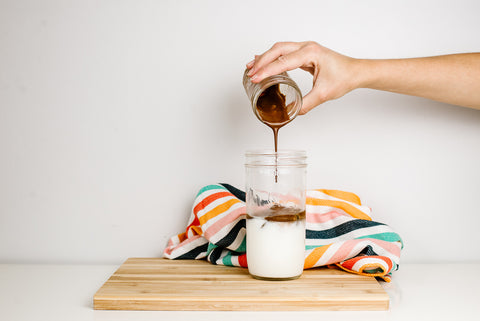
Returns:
(272, 110)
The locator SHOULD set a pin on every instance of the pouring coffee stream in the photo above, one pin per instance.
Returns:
(272, 110)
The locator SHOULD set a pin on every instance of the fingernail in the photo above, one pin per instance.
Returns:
(250, 72)
(250, 64)
(253, 77)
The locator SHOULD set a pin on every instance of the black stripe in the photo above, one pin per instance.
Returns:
(340, 229)
(368, 250)
(192, 254)
(235, 191)
(215, 255)
(232, 235)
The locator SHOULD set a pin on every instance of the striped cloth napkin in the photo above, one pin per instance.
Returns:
(339, 232)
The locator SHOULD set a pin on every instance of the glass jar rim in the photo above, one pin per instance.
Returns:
(268, 157)
(280, 152)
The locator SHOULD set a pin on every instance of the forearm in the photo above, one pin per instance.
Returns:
(453, 79)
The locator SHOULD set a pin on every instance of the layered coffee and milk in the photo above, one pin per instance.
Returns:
(276, 243)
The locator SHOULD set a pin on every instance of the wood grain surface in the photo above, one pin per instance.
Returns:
(161, 284)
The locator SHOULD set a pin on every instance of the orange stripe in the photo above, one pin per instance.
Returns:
(209, 199)
(218, 210)
(350, 209)
(369, 265)
(384, 276)
(346, 196)
(313, 257)
(182, 237)
(196, 229)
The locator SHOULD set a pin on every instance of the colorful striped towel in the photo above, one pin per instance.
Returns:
(339, 232)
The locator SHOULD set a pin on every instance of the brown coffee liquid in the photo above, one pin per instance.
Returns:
(279, 213)
(272, 109)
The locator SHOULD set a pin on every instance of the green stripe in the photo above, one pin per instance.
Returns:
(209, 187)
(243, 247)
(311, 247)
(387, 236)
(227, 260)
(211, 247)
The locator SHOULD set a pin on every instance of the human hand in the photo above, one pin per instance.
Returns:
(333, 74)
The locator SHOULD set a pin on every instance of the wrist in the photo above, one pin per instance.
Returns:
(363, 73)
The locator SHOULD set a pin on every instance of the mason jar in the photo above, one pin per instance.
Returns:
(275, 213)
(285, 86)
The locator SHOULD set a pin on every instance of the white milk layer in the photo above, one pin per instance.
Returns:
(275, 249)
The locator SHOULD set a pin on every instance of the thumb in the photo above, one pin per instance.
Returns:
(312, 100)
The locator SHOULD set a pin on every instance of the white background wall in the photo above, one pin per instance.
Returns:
(114, 113)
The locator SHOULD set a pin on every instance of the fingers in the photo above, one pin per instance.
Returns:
(251, 63)
(278, 50)
(283, 63)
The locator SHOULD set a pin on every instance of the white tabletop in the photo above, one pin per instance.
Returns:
(65, 292)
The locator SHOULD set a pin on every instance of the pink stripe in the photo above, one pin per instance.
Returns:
(173, 241)
(169, 250)
(224, 221)
(323, 217)
(343, 251)
(389, 246)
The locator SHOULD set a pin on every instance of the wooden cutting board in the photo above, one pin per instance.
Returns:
(161, 284)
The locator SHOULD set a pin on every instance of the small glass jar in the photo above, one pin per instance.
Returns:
(286, 86)
(275, 213)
